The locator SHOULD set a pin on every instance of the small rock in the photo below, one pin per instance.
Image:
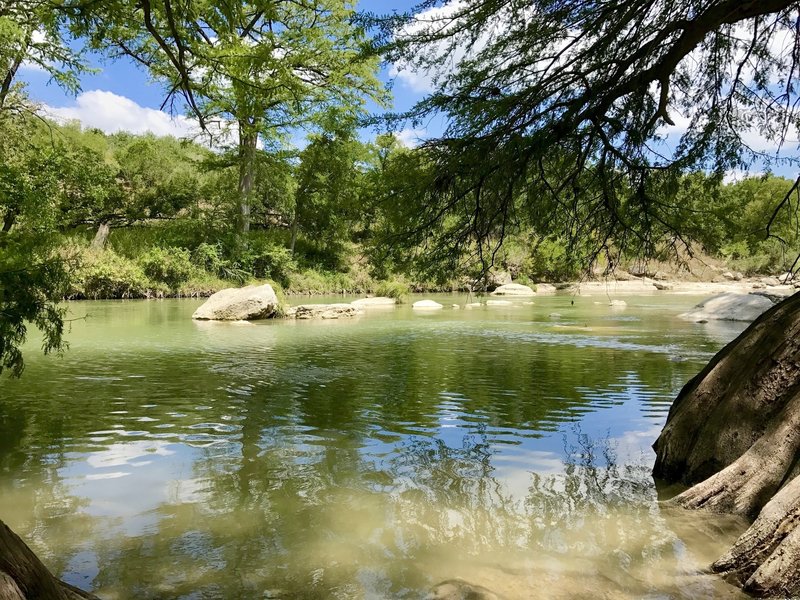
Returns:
(458, 589)
(513, 289)
(660, 276)
(325, 311)
(618, 304)
(498, 303)
(660, 285)
(456, 307)
(426, 305)
(770, 281)
(728, 275)
(374, 302)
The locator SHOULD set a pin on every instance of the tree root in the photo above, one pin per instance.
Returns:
(747, 484)
(734, 432)
(765, 560)
(24, 577)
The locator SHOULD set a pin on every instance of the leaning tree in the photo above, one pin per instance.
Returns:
(584, 115)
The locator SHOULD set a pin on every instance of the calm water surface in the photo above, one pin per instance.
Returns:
(375, 458)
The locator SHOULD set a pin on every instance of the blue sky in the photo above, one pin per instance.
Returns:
(121, 96)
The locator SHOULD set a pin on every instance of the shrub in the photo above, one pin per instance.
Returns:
(269, 261)
(171, 266)
(397, 289)
(105, 274)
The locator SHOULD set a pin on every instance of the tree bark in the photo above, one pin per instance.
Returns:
(248, 143)
(8, 220)
(734, 434)
(100, 238)
(24, 577)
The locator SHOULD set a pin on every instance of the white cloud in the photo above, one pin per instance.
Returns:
(424, 80)
(411, 137)
(736, 175)
(111, 113)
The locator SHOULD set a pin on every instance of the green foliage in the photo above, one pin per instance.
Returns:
(33, 279)
(267, 260)
(398, 289)
(171, 266)
(105, 274)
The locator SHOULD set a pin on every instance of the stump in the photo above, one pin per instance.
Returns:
(733, 434)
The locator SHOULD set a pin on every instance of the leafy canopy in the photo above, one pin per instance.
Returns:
(571, 106)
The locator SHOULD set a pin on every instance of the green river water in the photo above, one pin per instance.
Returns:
(367, 458)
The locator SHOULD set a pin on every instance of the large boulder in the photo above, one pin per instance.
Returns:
(323, 311)
(730, 306)
(513, 289)
(240, 304)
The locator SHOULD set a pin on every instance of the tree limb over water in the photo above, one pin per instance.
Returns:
(583, 115)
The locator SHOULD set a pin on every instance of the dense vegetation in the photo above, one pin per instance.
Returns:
(90, 215)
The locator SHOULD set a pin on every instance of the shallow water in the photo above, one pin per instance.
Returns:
(375, 458)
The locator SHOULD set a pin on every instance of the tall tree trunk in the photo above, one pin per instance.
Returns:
(8, 220)
(11, 73)
(294, 233)
(734, 434)
(248, 142)
(100, 238)
(24, 577)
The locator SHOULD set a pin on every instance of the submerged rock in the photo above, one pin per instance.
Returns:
(730, 306)
(323, 311)
(618, 304)
(239, 304)
(378, 302)
(513, 289)
(426, 305)
(498, 303)
(458, 589)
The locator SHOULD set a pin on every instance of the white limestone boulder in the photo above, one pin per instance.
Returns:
(513, 289)
(426, 305)
(729, 306)
(249, 303)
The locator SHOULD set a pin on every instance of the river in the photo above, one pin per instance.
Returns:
(505, 446)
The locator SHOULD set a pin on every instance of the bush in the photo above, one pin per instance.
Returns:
(171, 266)
(312, 282)
(397, 289)
(105, 274)
(267, 260)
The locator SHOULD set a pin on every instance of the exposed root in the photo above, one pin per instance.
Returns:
(746, 485)
(24, 577)
(766, 548)
(734, 432)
